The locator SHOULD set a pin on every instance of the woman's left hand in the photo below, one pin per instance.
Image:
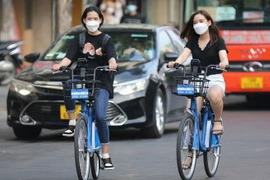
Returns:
(222, 65)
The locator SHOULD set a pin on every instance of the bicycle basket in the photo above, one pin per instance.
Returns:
(78, 90)
(189, 86)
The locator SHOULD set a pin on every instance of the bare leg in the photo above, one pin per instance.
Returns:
(105, 149)
(71, 117)
(215, 96)
(188, 105)
(199, 104)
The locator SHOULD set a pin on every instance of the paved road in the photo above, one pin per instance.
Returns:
(245, 150)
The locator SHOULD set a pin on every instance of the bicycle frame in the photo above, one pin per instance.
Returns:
(93, 142)
(87, 147)
(202, 141)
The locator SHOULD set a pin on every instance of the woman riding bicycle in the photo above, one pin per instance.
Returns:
(92, 19)
(206, 44)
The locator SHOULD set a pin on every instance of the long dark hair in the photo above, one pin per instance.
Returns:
(90, 9)
(188, 31)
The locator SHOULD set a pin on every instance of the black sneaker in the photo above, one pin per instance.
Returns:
(107, 163)
(69, 132)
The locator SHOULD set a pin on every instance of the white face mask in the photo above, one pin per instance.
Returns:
(110, 10)
(118, 5)
(200, 28)
(92, 26)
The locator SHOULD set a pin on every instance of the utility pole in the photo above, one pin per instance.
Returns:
(61, 17)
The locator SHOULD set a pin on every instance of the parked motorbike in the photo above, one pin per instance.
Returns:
(10, 60)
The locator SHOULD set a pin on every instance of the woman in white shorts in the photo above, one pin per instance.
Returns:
(206, 44)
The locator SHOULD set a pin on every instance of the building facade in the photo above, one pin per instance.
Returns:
(39, 22)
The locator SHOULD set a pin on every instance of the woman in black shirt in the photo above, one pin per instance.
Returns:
(92, 50)
(206, 44)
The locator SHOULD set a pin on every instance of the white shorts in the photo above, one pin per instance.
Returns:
(217, 79)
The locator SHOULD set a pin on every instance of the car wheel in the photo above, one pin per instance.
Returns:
(25, 132)
(158, 125)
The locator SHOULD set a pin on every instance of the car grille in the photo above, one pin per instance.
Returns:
(112, 111)
(44, 111)
(50, 111)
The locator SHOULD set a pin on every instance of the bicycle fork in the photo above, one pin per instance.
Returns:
(93, 142)
(196, 135)
(208, 140)
(205, 140)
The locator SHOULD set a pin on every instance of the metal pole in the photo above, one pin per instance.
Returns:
(54, 19)
(1, 17)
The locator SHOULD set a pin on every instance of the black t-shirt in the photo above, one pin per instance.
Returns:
(136, 19)
(75, 51)
(210, 53)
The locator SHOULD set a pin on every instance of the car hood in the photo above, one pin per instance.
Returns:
(41, 71)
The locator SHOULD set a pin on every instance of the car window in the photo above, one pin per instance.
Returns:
(129, 46)
(165, 44)
(176, 40)
(132, 46)
(59, 50)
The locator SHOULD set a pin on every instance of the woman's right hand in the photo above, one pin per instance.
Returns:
(56, 67)
(171, 64)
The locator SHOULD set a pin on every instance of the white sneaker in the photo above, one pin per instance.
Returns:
(107, 164)
(69, 132)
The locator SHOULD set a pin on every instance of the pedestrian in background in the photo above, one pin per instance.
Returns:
(109, 13)
(131, 15)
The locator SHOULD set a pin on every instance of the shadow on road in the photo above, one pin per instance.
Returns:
(116, 135)
(231, 103)
(236, 103)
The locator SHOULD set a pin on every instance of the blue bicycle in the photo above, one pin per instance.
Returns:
(195, 137)
(87, 148)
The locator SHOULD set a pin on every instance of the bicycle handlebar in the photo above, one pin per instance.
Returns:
(211, 66)
(83, 71)
(63, 69)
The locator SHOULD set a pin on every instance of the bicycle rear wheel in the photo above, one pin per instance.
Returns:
(212, 157)
(184, 149)
(95, 165)
(82, 156)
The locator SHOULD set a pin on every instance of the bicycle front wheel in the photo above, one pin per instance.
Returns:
(95, 165)
(82, 156)
(212, 157)
(186, 156)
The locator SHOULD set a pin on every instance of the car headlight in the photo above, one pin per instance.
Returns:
(22, 88)
(131, 87)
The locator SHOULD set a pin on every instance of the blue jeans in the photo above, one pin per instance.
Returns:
(101, 105)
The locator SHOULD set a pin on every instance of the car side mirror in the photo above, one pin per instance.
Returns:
(170, 56)
(31, 58)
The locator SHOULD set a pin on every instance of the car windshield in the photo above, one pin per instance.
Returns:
(129, 46)
(232, 11)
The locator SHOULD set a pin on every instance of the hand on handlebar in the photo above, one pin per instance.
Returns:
(60, 69)
(223, 65)
(171, 64)
(56, 67)
(113, 65)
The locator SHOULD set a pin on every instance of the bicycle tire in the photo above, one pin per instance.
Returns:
(211, 157)
(95, 165)
(82, 156)
(184, 148)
